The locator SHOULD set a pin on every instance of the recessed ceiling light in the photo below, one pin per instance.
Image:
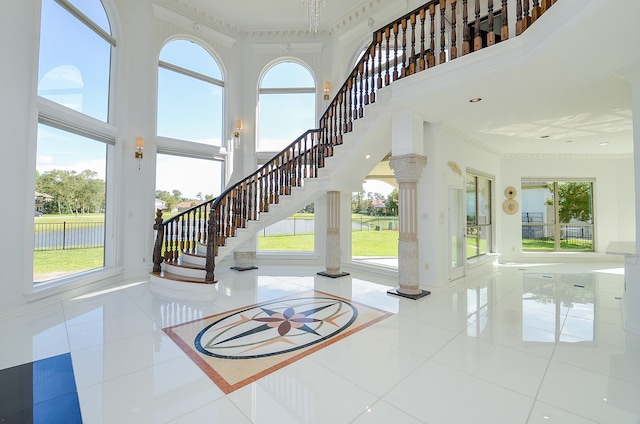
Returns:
(368, 157)
(475, 100)
(604, 143)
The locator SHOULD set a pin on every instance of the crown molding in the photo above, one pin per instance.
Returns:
(187, 10)
(179, 13)
(279, 48)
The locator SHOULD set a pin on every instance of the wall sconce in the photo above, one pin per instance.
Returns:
(236, 134)
(139, 147)
(326, 90)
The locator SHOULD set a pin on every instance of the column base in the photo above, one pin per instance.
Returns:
(422, 294)
(241, 268)
(338, 275)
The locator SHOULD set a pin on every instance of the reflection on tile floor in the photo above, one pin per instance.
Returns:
(526, 344)
(43, 391)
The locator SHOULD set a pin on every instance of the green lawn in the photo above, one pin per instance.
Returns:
(49, 264)
(58, 219)
(547, 244)
(299, 243)
(68, 261)
(374, 243)
(364, 243)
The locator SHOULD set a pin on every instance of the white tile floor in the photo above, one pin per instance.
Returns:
(526, 344)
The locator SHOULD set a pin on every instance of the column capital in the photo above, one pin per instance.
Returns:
(408, 168)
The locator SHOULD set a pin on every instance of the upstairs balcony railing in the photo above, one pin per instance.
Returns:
(432, 34)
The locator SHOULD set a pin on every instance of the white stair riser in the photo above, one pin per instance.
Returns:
(186, 272)
(194, 260)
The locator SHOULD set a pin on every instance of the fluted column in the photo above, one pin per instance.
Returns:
(333, 255)
(408, 169)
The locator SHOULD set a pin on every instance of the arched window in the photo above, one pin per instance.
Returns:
(286, 105)
(190, 94)
(75, 56)
(190, 114)
(74, 72)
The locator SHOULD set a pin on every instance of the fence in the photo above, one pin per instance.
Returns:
(291, 226)
(294, 226)
(68, 235)
(570, 237)
(378, 224)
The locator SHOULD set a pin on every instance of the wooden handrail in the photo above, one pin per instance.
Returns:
(392, 55)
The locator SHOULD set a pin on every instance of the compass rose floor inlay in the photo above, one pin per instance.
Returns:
(237, 347)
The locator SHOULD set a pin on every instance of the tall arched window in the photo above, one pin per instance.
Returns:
(287, 105)
(73, 142)
(190, 115)
(190, 94)
(75, 56)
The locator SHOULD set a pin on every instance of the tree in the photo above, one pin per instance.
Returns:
(356, 202)
(392, 203)
(169, 199)
(72, 192)
(574, 201)
(310, 208)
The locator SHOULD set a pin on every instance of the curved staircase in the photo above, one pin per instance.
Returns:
(188, 245)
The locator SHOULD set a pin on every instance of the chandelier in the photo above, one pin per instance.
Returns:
(313, 13)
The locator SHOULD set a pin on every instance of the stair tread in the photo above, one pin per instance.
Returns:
(181, 278)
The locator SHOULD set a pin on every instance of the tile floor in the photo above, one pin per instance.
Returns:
(525, 344)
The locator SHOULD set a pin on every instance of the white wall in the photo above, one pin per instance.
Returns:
(613, 194)
(443, 145)
(17, 23)
(614, 199)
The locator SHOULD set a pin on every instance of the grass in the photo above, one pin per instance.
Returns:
(547, 244)
(287, 243)
(364, 243)
(75, 260)
(59, 219)
(374, 243)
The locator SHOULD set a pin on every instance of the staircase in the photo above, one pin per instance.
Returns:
(188, 245)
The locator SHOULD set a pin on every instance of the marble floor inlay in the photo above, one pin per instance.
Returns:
(269, 335)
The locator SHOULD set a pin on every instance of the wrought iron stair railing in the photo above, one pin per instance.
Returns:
(421, 39)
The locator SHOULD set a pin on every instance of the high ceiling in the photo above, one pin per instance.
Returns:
(570, 96)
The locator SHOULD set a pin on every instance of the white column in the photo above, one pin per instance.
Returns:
(408, 169)
(333, 254)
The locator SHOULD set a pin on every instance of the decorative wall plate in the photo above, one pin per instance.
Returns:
(510, 206)
(510, 192)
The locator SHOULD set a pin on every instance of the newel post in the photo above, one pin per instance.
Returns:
(212, 239)
(157, 247)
